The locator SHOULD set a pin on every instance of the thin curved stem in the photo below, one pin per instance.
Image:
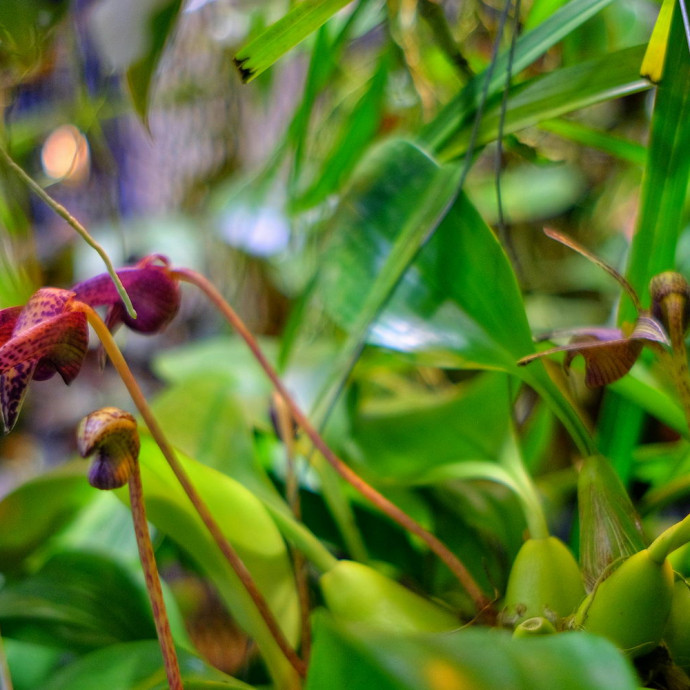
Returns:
(74, 224)
(153, 584)
(233, 558)
(454, 564)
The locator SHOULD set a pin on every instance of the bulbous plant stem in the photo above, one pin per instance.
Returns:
(153, 584)
(454, 564)
(233, 558)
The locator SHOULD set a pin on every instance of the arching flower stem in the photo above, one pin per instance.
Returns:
(233, 558)
(454, 564)
(153, 584)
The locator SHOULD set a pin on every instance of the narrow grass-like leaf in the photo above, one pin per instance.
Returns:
(556, 93)
(140, 75)
(623, 149)
(529, 48)
(305, 18)
(665, 183)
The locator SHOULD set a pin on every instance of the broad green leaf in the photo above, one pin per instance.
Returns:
(137, 666)
(38, 509)
(78, 600)
(131, 36)
(304, 18)
(30, 664)
(664, 186)
(529, 47)
(251, 531)
(411, 437)
(459, 298)
(353, 657)
(554, 94)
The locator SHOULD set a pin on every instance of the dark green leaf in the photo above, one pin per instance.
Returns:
(37, 510)
(78, 600)
(137, 666)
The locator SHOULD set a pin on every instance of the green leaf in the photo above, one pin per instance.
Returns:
(131, 36)
(78, 600)
(250, 530)
(529, 47)
(444, 303)
(554, 94)
(358, 132)
(664, 186)
(304, 18)
(38, 509)
(137, 666)
(353, 657)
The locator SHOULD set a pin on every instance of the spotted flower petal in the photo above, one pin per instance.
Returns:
(44, 337)
(154, 293)
(609, 353)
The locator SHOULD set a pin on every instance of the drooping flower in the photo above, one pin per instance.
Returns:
(155, 295)
(46, 336)
(610, 353)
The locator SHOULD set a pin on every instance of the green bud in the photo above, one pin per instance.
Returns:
(544, 581)
(357, 593)
(677, 631)
(631, 606)
(534, 626)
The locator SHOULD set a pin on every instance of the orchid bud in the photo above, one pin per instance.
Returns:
(110, 433)
(671, 301)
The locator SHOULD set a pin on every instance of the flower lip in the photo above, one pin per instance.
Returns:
(45, 336)
(155, 295)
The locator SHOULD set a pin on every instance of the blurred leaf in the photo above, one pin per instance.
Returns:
(302, 20)
(249, 528)
(417, 435)
(554, 94)
(78, 600)
(38, 509)
(529, 47)
(603, 141)
(357, 658)
(137, 666)
(30, 664)
(357, 134)
(131, 35)
(664, 186)
(610, 528)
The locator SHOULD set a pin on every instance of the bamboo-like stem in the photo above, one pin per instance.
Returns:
(233, 558)
(286, 432)
(454, 564)
(153, 584)
(73, 223)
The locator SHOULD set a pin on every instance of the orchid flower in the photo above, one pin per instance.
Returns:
(610, 353)
(50, 333)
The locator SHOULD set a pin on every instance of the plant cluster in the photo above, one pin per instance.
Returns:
(438, 506)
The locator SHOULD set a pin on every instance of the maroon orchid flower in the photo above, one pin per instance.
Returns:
(609, 353)
(50, 333)
(46, 336)
(155, 295)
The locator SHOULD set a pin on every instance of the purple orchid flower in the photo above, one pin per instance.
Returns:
(50, 333)
(155, 295)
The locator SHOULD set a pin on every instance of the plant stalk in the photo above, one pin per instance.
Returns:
(74, 224)
(204, 513)
(481, 601)
(153, 585)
